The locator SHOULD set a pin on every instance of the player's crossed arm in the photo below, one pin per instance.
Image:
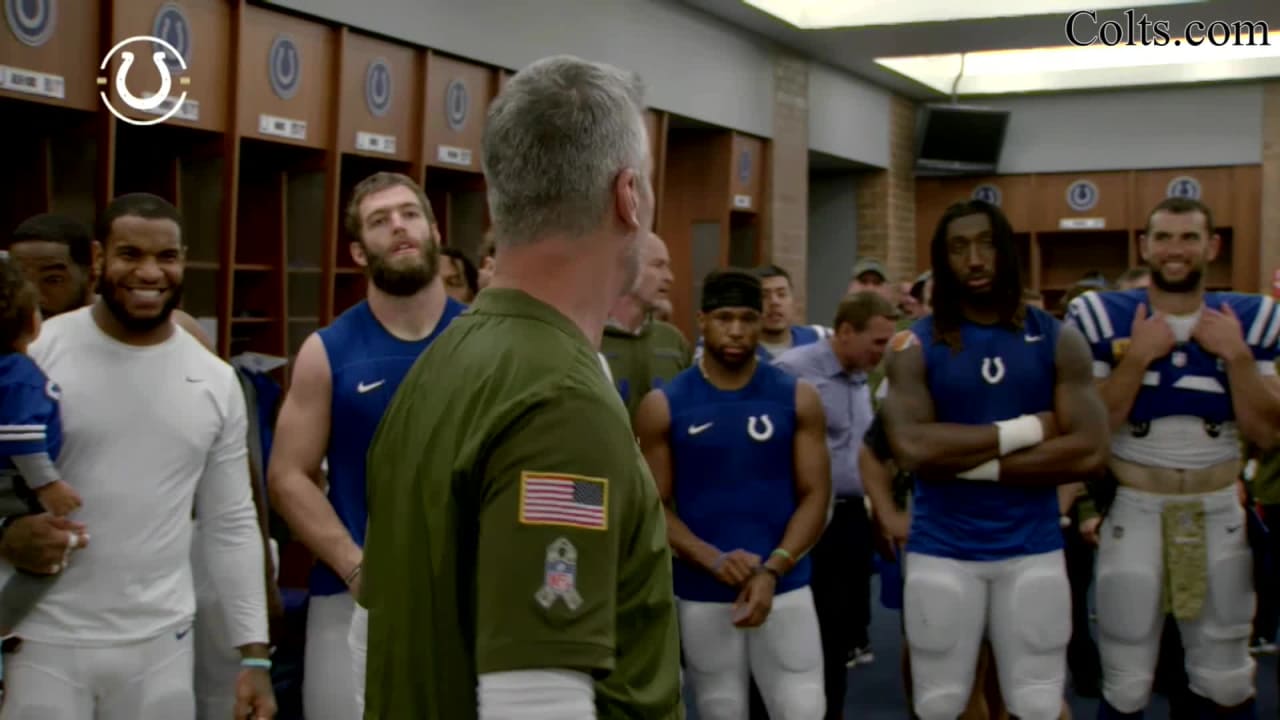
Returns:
(1080, 449)
(920, 443)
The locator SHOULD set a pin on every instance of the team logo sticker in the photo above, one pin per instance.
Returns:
(1082, 196)
(284, 67)
(171, 26)
(1183, 186)
(987, 193)
(31, 21)
(456, 104)
(377, 87)
(560, 576)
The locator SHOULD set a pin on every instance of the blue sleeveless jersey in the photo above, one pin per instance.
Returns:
(1189, 380)
(734, 471)
(999, 374)
(367, 365)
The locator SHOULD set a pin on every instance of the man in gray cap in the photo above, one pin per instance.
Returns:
(869, 274)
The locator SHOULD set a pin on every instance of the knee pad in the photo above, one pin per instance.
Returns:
(803, 701)
(932, 610)
(1042, 609)
(1126, 693)
(1128, 600)
(1038, 703)
(1224, 689)
(941, 704)
(713, 705)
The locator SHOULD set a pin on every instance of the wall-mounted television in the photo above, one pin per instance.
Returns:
(959, 139)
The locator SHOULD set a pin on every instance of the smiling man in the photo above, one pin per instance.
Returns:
(112, 639)
(343, 379)
(1186, 374)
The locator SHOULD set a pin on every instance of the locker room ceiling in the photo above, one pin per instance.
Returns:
(855, 49)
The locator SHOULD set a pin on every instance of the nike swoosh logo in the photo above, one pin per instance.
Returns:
(194, 380)
(363, 388)
(183, 633)
(1233, 528)
(698, 429)
(1034, 338)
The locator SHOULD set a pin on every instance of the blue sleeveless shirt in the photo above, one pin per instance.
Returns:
(367, 365)
(999, 374)
(732, 456)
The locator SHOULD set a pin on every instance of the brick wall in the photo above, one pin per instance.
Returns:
(788, 173)
(886, 199)
(1269, 250)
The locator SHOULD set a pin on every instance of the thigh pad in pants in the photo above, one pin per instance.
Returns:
(1128, 600)
(1232, 601)
(934, 608)
(1042, 609)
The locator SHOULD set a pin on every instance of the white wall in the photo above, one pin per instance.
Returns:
(693, 64)
(1138, 129)
(848, 118)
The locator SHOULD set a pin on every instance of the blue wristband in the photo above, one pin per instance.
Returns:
(260, 663)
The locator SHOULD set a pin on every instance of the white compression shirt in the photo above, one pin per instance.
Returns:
(148, 434)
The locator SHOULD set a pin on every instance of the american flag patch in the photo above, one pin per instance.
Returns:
(567, 500)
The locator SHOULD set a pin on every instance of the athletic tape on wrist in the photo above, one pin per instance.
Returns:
(989, 471)
(259, 663)
(1019, 433)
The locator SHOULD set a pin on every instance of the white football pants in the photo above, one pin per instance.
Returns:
(784, 655)
(1130, 592)
(148, 680)
(328, 683)
(1022, 604)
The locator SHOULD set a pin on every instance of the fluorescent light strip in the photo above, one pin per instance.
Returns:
(826, 14)
(1068, 68)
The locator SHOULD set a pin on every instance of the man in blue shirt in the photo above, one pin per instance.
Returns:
(992, 405)
(777, 333)
(735, 446)
(841, 583)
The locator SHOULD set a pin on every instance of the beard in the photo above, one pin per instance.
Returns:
(717, 352)
(107, 291)
(405, 280)
(1186, 284)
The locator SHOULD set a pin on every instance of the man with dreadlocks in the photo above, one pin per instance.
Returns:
(992, 405)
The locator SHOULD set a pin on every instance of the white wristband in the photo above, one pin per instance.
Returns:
(989, 471)
(1250, 470)
(1019, 433)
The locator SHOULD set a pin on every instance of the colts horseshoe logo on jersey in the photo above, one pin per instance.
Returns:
(992, 370)
(760, 428)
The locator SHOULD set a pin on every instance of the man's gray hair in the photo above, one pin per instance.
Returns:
(554, 143)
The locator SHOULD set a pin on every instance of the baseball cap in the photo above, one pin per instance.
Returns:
(866, 265)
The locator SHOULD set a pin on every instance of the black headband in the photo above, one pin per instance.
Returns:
(732, 288)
